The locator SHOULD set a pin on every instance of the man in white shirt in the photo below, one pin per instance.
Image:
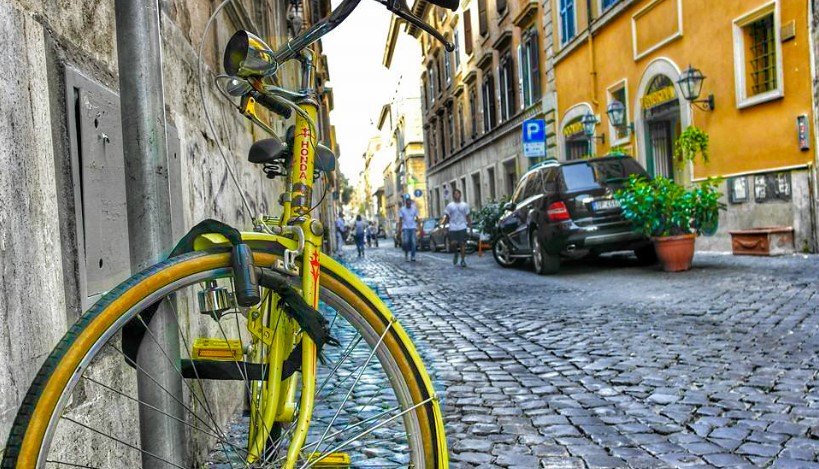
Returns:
(407, 223)
(457, 214)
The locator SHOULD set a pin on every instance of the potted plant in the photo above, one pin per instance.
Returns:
(692, 141)
(671, 215)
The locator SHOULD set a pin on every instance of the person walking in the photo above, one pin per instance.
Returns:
(457, 214)
(360, 230)
(371, 235)
(340, 229)
(407, 224)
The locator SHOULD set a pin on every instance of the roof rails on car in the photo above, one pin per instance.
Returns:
(546, 162)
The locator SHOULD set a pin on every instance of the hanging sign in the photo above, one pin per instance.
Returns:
(658, 97)
(573, 129)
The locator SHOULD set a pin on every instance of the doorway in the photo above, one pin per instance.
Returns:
(661, 114)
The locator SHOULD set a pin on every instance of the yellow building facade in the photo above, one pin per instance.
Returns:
(756, 57)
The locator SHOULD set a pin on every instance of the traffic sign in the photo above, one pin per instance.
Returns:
(418, 193)
(534, 138)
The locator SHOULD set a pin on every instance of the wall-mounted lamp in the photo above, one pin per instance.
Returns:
(691, 85)
(617, 116)
(589, 122)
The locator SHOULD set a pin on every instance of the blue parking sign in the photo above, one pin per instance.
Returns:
(534, 138)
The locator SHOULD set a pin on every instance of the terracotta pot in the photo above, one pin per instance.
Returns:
(675, 252)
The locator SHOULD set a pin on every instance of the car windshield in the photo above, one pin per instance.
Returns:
(590, 174)
(429, 224)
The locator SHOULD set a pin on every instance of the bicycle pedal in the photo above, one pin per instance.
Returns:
(331, 461)
(217, 349)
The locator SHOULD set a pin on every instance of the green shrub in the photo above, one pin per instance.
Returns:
(661, 207)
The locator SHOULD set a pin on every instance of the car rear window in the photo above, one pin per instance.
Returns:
(591, 174)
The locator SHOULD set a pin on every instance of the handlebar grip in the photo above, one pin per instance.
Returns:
(448, 4)
(273, 106)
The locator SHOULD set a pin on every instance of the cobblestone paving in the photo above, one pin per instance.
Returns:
(610, 364)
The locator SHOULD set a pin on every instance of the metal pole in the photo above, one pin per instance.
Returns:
(148, 200)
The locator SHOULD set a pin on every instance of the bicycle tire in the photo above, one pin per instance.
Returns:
(57, 378)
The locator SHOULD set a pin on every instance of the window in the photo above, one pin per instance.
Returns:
(500, 5)
(507, 87)
(441, 67)
(490, 176)
(476, 187)
(488, 97)
(609, 3)
(473, 111)
(450, 128)
(618, 93)
(482, 26)
(529, 68)
(433, 150)
(442, 141)
(457, 52)
(431, 85)
(567, 21)
(460, 125)
(463, 189)
(468, 32)
(510, 175)
(447, 67)
(758, 56)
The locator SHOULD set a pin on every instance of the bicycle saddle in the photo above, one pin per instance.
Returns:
(271, 149)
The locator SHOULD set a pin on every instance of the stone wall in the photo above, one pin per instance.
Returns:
(40, 253)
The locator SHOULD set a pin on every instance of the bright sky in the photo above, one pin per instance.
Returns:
(361, 85)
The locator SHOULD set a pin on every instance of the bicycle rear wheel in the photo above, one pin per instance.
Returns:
(374, 402)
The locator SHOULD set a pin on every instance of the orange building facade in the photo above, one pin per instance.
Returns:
(757, 59)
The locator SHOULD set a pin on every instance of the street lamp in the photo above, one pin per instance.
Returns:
(617, 115)
(691, 85)
(589, 122)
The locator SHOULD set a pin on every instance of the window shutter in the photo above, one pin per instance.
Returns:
(468, 32)
(521, 71)
(534, 64)
(482, 27)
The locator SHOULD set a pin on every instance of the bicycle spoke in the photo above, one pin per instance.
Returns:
(123, 443)
(365, 433)
(63, 463)
(360, 374)
(194, 427)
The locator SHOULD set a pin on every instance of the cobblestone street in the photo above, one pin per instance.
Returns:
(610, 364)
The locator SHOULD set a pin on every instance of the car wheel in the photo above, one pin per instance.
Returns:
(432, 246)
(502, 253)
(646, 255)
(544, 262)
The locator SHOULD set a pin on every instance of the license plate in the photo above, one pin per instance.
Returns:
(607, 204)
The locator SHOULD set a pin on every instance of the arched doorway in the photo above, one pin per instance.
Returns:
(661, 116)
(573, 142)
(661, 113)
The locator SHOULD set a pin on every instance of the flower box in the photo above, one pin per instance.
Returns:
(771, 241)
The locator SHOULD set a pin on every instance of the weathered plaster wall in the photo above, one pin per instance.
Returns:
(39, 288)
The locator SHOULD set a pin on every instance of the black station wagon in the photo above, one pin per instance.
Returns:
(568, 210)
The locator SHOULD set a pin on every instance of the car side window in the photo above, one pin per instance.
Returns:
(533, 185)
(551, 180)
(519, 191)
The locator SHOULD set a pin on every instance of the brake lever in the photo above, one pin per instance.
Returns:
(400, 8)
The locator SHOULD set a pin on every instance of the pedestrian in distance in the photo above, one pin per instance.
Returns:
(457, 214)
(340, 232)
(372, 239)
(359, 233)
(407, 224)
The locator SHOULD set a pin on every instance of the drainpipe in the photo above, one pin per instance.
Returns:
(812, 168)
(592, 61)
(139, 49)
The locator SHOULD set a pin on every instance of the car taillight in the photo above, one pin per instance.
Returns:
(558, 212)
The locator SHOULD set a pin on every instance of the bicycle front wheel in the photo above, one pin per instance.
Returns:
(374, 403)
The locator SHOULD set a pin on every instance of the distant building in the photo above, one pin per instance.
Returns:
(476, 98)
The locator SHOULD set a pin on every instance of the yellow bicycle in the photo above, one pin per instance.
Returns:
(284, 357)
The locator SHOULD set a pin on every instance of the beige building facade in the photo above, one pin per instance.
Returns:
(476, 98)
